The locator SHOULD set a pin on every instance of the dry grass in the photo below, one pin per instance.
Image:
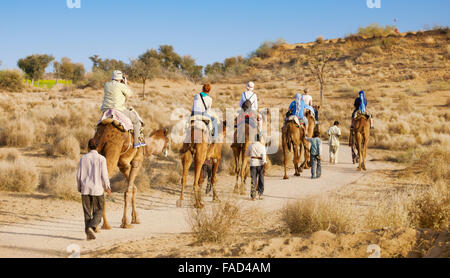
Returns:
(312, 215)
(214, 224)
(68, 146)
(430, 208)
(61, 182)
(390, 212)
(16, 174)
(17, 133)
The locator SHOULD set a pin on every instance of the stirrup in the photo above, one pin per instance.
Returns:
(139, 145)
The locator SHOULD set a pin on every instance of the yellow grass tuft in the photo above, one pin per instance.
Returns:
(214, 224)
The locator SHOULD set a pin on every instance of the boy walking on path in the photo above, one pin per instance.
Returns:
(257, 153)
(93, 180)
(334, 132)
(316, 152)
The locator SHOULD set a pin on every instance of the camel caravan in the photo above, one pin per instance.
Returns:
(121, 140)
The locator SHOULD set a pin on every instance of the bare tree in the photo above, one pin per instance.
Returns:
(318, 62)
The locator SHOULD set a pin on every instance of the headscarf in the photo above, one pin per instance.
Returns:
(362, 97)
(300, 106)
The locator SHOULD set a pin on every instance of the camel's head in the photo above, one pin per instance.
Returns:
(158, 142)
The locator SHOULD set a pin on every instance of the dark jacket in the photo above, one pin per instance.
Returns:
(358, 103)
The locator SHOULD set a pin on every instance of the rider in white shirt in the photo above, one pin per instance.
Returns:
(251, 96)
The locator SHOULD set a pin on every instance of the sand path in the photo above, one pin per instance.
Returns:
(50, 237)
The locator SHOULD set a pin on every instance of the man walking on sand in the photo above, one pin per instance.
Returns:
(334, 132)
(257, 153)
(316, 152)
(93, 180)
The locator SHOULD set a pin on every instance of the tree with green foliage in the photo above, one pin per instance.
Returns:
(34, 66)
(68, 71)
(11, 81)
(170, 60)
(190, 69)
(145, 68)
(107, 65)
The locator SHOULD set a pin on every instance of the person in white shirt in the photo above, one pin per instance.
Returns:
(334, 132)
(116, 94)
(307, 98)
(258, 161)
(202, 107)
(249, 102)
(93, 180)
(249, 97)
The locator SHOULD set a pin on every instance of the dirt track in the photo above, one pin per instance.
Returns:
(50, 237)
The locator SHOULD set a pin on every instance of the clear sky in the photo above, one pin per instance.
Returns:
(208, 30)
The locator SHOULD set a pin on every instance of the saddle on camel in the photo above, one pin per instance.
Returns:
(121, 142)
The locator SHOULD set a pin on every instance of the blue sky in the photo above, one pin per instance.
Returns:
(208, 30)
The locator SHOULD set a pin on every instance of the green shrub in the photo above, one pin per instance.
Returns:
(11, 81)
(375, 31)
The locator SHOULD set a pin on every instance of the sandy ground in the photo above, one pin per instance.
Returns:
(57, 225)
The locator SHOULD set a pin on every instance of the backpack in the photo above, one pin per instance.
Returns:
(247, 105)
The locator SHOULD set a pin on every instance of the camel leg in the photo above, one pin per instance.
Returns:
(214, 180)
(134, 217)
(360, 152)
(199, 160)
(106, 225)
(126, 196)
(300, 151)
(244, 174)
(296, 160)
(366, 141)
(307, 158)
(133, 174)
(237, 158)
(285, 156)
(186, 160)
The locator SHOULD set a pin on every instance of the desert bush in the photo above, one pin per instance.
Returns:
(18, 175)
(17, 133)
(9, 155)
(11, 81)
(83, 135)
(214, 224)
(96, 79)
(68, 146)
(319, 40)
(374, 50)
(391, 212)
(61, 182)
(267, 49)
(375, 30)
(431, 208)
(309, 216)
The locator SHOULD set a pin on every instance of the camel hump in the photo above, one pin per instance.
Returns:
(113, 122)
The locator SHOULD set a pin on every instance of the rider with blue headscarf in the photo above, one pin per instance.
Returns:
(361, 107)
(298, 107)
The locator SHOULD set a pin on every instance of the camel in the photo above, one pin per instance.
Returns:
(242, 167)
(198, 152)
(294, 136)
(359, 140)
(117, 147)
